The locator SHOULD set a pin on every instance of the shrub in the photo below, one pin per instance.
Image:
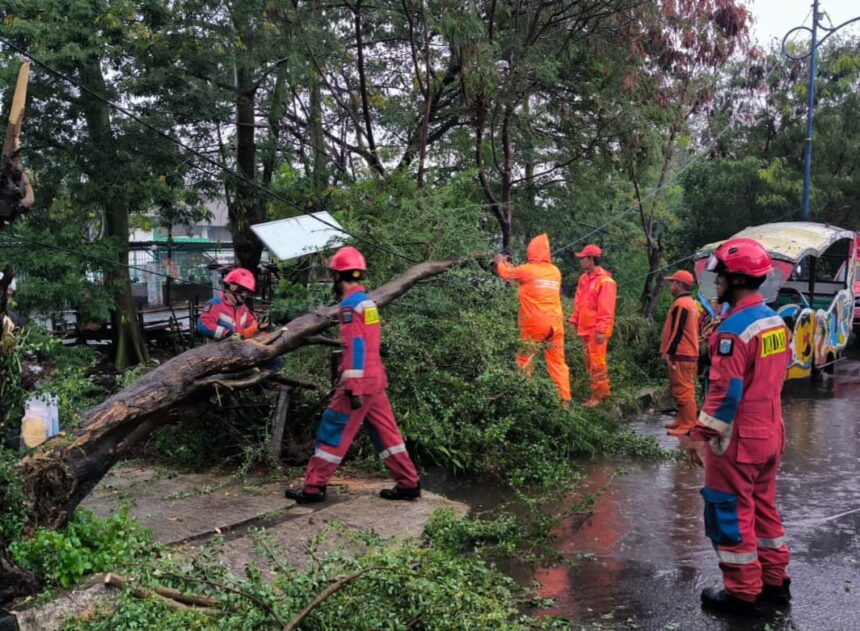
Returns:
(12, 509)
(85, 545)
(396, 586)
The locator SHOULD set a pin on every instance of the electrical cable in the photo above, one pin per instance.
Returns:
(201, 156)
(693, 255)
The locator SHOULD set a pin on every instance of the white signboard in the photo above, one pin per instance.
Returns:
(298, 236)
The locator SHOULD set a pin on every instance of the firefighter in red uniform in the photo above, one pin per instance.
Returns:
(227, 314)
(360, 396)
(742, 429)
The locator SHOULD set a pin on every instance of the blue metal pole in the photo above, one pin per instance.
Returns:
(807, 158)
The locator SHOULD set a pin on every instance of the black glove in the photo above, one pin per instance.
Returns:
(354, 401)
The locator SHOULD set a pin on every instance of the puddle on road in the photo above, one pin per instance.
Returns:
(641, 560)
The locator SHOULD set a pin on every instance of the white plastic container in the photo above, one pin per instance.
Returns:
(41, 420)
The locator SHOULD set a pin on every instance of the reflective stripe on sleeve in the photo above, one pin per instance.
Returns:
(760, 325)
(547, 284)
(713, 422)
(771, 544)
(324, 455)
(352, 374)
(220, 332)
(364, 304)
(223, 317)
(738, 558)
(392, 451)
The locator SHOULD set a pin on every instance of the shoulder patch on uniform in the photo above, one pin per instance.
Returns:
(346, 316)
(725, 346)
(773, 342)
(371, 315)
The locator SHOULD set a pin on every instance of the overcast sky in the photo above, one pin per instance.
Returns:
(774, 18)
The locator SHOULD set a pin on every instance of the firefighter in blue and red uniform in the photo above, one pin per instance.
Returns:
(740, 432)
(360, 396)
(227, 314)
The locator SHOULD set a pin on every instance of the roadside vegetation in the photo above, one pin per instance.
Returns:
(430, 130)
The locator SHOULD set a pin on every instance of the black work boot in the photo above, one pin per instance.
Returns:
(301, 497)
(718, 599)
(398, 493)
(777, 594)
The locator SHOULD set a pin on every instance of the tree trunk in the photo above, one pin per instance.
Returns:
(64, 471)
(243, 215)
(319, 176)
(15, 582)
(363, 91)
(128, 343)
(245, 209)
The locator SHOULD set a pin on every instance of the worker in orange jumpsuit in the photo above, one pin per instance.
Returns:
(541, 318)
(593, 318)
(679, 349)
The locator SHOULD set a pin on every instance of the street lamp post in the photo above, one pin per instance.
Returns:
(812, 54)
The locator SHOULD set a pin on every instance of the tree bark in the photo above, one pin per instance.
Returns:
(15, 582)
(64, 471)
(16, 194)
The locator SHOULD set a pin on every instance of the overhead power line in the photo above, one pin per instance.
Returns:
(199, 155)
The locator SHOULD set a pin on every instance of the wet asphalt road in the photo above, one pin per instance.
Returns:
(641, 560)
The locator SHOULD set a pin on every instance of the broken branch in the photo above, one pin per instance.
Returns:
(167, 596)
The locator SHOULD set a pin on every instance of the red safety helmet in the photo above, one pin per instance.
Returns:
(346, 259)
(741, 256)
(242, 277)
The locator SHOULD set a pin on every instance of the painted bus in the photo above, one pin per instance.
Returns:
(812, 287)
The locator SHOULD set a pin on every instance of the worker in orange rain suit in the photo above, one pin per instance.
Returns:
(541, 318)
(360, 395)
(593, 318)
(679, 349)
(227, 314)
(741, 435)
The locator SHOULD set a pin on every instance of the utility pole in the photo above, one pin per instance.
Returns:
(810, 105)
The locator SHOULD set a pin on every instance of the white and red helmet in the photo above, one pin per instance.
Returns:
(741, 256)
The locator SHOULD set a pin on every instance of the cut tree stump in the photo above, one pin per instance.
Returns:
(63, 471)
(279, 422)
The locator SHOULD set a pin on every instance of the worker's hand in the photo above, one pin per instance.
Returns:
(695, 450)
(600, 338)
(354, 400)
(498, 258)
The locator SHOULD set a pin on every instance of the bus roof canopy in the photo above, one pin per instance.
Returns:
(790, 241)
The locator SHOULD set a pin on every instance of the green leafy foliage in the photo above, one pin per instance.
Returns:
(85, 545)
(396, 586)
(13, 512)
(459, 536)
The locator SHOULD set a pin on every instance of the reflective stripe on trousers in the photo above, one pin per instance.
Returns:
(738, 558)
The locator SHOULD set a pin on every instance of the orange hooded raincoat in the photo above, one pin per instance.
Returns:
(541, 318)
(593, 313)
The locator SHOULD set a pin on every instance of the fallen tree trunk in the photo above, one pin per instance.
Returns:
(16, 194)
(65, 470)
